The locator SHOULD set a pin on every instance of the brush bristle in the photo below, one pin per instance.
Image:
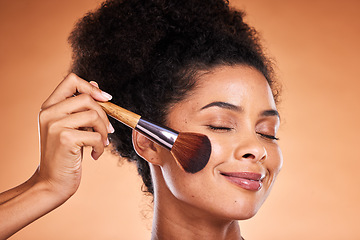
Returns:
(191, 151)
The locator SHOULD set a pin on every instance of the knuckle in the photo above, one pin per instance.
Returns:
(88, 100)
(52, 127)
(93, 90)
(97, 140)
(43, 106)
(93, 115)
(65, 137)
(72, 77)
(43, 116)
(47, 104)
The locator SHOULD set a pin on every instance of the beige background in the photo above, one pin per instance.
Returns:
(316, 46)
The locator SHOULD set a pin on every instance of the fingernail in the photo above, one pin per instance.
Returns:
(107, 142)
(111, 128)
(106, 95)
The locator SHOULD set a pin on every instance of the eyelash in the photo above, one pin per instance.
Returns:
(271, 137)
(215, 128)
(226, 129)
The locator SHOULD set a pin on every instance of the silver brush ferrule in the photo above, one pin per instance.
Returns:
(160, 134)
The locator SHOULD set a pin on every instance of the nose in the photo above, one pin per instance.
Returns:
(250, 148)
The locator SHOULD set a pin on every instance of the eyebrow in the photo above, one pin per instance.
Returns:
(224, 105)
(270, 113)
(229, 106)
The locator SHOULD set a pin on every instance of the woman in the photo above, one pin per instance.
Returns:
(194, 66)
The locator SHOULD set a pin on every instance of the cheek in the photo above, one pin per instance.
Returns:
(188, 187)
(221, 149)
(275, 161)
(175, 178)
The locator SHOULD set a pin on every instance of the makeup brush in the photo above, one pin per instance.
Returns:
(190, 150)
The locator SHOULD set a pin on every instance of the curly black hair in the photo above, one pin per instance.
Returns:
(147, 54)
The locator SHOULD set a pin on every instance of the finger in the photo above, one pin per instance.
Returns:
(95, 84)
(76, 104)
(86, 119)
(73, 140)
(95, 155)
(73, 84)
(90, 139)
(111, 128)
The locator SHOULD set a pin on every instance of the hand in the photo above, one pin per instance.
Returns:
(62, 120)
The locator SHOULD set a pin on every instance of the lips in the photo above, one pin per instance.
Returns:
(246, 180)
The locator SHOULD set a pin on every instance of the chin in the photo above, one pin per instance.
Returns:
(245, 214)
(247, 207)
(239, 211)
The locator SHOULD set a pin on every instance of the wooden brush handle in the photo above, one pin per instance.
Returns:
(121, 114)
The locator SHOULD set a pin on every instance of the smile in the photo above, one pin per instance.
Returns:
(246, 180)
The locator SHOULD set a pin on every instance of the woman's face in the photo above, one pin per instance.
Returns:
(234, 107)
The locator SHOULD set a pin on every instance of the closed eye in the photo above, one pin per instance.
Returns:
(271, 137)
(219, 128)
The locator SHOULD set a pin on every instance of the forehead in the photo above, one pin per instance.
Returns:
(239, 85)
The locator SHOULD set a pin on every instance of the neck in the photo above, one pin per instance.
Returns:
(173, 228)
(175, 219)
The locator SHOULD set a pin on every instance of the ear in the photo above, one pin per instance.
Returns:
(146, 148)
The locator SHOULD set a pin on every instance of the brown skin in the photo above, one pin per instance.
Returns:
(206, 205)
(61, 122)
